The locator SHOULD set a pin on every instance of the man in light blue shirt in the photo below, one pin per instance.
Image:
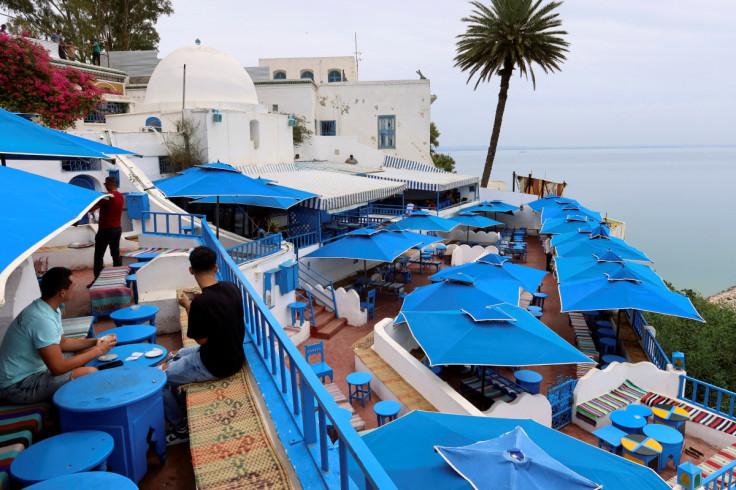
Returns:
(35, 358)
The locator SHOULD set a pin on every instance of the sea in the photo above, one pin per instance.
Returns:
(678, 203)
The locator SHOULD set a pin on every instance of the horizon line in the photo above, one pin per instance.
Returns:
(593, 147)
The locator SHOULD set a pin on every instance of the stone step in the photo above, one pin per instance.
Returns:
(330, 329)
(323, 318)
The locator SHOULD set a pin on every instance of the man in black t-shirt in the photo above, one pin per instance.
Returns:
(216, 323)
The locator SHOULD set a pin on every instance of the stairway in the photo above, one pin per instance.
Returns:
(325, 325)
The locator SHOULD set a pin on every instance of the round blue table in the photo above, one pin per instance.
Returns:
(627, 421)
(533, 308)
(671, 441)
(135, 314)
(134, 267)
(613, 358)
(125, 351)
(65, 454)
(529, 380)
(386, 411)
(359, 386)
(608, 345)
(539, 299)
(146, 257)
(89, 479)
(606, 332)
(131, 334)
(125, 402)
(642, 410)
(604, 324)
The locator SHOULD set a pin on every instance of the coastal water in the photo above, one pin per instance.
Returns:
(679, 204)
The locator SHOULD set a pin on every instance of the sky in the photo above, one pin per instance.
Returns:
(638, 73)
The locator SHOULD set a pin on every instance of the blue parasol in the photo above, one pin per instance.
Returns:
(493, 267)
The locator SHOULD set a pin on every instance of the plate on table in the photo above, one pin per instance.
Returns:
(154, 353)
(81, 244)
(107, 357)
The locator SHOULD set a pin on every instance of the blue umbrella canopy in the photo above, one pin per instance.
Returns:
(566, 224)
(372, 244)
(592, 266)
(40, 219)
(405, 448)
(495, 206)
(512, 461)
(550, 200)
(472, 220)
(496, 335)
(624, 289)
(22, 139)
(94, 145)
(596, 231)
(598, 245)
(460, 290)
(570, 209)
(493, 267)
(425, 221)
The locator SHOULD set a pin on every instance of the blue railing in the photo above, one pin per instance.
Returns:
(256, 249)
(172, 224)
(310, 277)
(304, 240)
(649, 343)
(390, 210)
(360, 220)
(310, 304)
(721, 479)
(707, 396)
(290, 389)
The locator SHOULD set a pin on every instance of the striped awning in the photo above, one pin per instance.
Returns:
(343, 168)
(425, 181)
(337, 191)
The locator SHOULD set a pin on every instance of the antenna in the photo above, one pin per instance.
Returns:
(357, 56)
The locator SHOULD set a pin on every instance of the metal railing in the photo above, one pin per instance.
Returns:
(721, 479)
(304, 240)
(256, 249)
(707, 396)
(310, 305)
(173, 224)
(342, 218)
(390, 210)
(650, 344)
(291, 389)
(310, 277)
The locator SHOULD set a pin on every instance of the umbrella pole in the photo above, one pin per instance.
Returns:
(467, 235)
(483, 388)
(217, 217)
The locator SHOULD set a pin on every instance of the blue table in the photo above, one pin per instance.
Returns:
(297, 307)
(534, 308)
(124, 351)
(529, 380)
(539, 299)
(641, 449)
(65, 454)
(386, 411)
(135, 266)
(641, 410)
(627, 421)
(134, 315)
(604, 324)
(609, 437)
(608, 345)
(606, 332)
(613, 358)
(125, 402)
(89, 479)
(131, 334)
(670, 439)
(359, 386)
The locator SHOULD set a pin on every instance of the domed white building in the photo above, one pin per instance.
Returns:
(212, 91)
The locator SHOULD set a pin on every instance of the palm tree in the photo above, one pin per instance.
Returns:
(509, 34)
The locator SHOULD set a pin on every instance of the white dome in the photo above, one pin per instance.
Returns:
(213, 79)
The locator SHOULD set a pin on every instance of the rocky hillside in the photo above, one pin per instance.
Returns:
(729, 296)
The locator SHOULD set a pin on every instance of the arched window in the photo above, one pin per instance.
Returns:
(334, 76)
(308, 74)
(154, 122)
(279, 75)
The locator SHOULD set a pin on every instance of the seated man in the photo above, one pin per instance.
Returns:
(352, 160)
(216, 323)
(35, 358)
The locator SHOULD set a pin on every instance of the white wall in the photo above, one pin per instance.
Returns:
(338, 149)
(319, 66)
(463, 254)
(254, 273)
(348, 304)
(299, 99)
(20, 290)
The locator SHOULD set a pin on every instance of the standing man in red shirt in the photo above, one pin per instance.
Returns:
(109, 231)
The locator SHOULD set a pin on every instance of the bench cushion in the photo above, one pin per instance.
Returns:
(624, 395)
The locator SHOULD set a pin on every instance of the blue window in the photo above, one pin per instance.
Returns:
(154, 122)
(334, 76)
(308, 74)
(327, 128)
(279, 75)
(386, 132)
(165, 166)
(104, 108)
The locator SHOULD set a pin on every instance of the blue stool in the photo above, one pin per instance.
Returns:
(403, 296)
(134, 267)
(534, 308)
(537, 314)
(132, 283)
(65, 454)
(539, 299)
(606, 332)
(146, 257)
(609, 438)
(529, 380)
(608, 346)
(614, 358)
(133, 334)
(386, 411)
(299, 307)
(88, 479)
(133, 315)
(359, 386)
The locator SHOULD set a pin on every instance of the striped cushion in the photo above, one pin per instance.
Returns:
(624, 395)
(78, 327)
(697, 415)
(336, 393)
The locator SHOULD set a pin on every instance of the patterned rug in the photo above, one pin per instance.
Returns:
(229, 442)
(406, 394)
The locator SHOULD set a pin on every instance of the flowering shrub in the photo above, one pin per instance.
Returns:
(30, 83)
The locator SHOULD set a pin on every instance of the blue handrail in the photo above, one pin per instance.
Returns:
(311, 277)
(722, 396)
(721, 479)
(256, 249)
(650, 344)
(298, 387)
(173, 224)
(304, 240)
